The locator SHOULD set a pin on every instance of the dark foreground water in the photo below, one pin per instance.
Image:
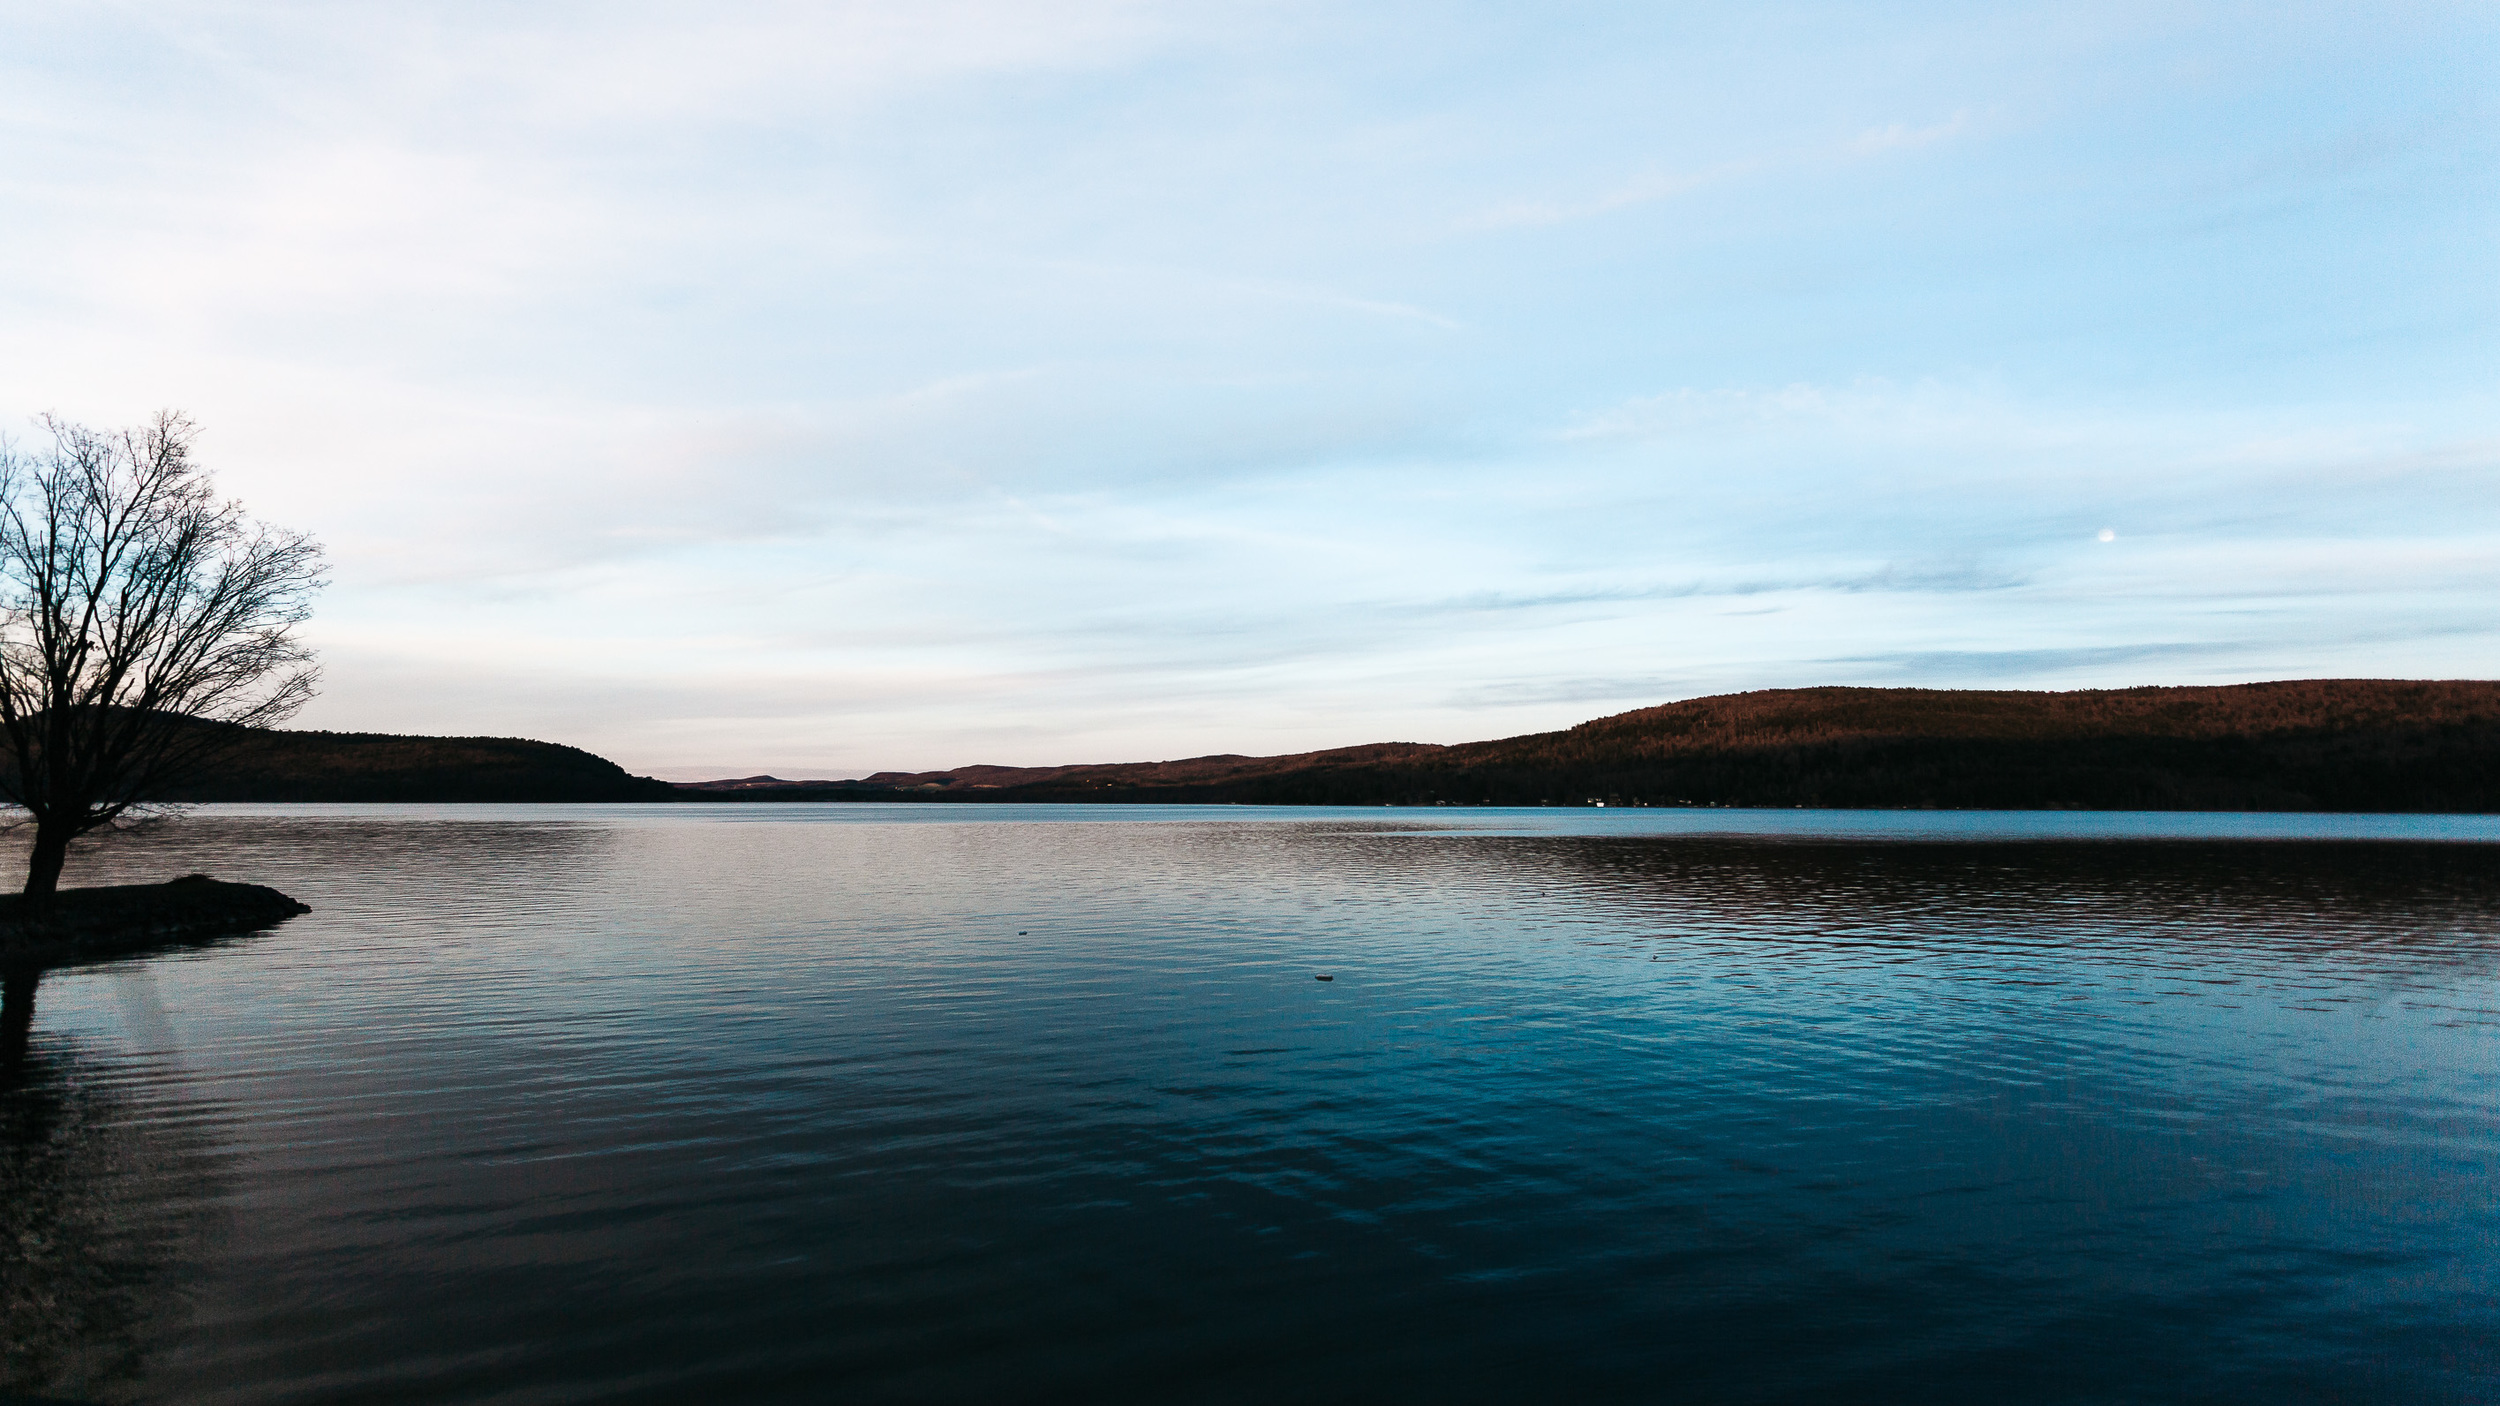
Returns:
(626, 1104)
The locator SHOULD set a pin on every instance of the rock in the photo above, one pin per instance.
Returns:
(77, 925)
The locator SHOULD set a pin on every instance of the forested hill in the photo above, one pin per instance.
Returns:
(365, 766)
(2327, 744)
(2323, 744)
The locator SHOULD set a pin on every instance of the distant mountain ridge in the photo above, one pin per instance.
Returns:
(2317, 744)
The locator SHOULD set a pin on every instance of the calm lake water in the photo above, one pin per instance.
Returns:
(809, 1103)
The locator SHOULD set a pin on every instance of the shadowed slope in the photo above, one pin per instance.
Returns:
(2324, 744)
(360, 766)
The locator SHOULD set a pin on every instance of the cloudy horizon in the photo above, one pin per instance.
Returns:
(818, 390)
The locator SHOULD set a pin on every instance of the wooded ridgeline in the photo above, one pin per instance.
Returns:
(2324, 744)
(374, 767)
(2321, 744)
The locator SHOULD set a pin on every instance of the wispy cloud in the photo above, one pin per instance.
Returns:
(1959, 664)
(1658, 185)
(1899, 136)
(1636, 690)
(1640, 190)
(1884, 579)
(881, 383)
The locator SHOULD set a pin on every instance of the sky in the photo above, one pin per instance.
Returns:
(817, 389)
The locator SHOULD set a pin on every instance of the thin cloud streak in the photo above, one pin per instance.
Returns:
(1655, 186)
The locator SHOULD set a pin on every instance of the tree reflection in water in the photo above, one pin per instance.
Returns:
(104, 1198)
(17, 1018)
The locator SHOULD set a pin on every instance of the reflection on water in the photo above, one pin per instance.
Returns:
(17, 1019)
(611, 1104)
(106, 1191)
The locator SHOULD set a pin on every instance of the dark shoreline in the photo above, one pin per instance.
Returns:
(91, 924)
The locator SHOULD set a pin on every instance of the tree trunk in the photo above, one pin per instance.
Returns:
(43, 867)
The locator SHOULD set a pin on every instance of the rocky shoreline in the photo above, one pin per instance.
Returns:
(77, 925)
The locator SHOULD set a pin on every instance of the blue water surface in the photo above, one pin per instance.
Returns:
(955, 1103)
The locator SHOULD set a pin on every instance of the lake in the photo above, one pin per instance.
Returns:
(947, 1103)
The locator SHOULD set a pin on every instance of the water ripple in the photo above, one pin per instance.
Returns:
(779, 1103)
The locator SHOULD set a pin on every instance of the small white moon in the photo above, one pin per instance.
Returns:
(2109, 535)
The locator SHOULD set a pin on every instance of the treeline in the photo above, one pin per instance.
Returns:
(2338, 744)
(373, 767)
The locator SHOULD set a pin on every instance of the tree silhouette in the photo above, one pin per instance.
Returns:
(144, 624)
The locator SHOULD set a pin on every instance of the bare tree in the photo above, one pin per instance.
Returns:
(144, 624)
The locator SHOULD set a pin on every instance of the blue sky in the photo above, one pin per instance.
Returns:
(820, 388)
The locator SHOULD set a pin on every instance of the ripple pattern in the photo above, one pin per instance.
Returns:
(618, 1104)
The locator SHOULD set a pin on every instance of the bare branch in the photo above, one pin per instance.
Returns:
(145, 625)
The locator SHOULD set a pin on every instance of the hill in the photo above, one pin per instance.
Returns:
(367, 766)
(2321, 744)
